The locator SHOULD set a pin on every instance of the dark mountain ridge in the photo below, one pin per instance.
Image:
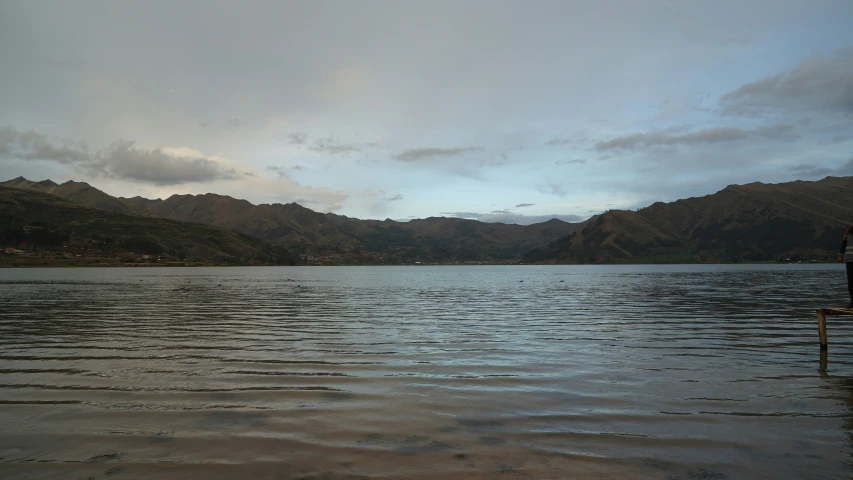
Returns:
(40, 222)
(752, 222)
(329, 236)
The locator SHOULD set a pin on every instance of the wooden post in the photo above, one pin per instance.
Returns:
(821, 328)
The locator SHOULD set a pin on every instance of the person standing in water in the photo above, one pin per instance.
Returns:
(846, 255)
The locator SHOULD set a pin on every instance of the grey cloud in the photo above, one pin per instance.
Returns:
(380, 204)
(522, 205)
(574, 161)
(758, 87)
(203, 124)
(819, 83)
(417, 154)
(234, 123)
(30, 145)
(782, 131)
(282, 171)
(557, 141)
(626, 141)
(846, 169)
(516, 218)
(810, 170)
(297, 138)
(122, 160)
(552, 189)
(484, 162)
(708, 135)
(837, 131)
(331, 146)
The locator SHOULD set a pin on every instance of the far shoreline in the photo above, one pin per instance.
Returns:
(107, 264)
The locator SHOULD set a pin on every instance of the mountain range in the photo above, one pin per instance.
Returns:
(50, 227)
(753, 222)
(317, 235)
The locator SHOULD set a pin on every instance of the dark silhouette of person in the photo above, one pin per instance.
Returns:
(846, 255)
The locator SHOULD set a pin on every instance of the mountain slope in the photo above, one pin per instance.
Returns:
(750, 222)
(461, 239)
(285, 224)
(305, 231)
(77, 192)
(46, 222)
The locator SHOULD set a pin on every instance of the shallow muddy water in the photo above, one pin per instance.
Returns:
(533, 372)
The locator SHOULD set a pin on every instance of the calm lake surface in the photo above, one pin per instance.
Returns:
(534, 372)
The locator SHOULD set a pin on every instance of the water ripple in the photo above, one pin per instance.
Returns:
(404, 372)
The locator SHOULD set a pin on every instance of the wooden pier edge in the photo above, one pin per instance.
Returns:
(822, 313)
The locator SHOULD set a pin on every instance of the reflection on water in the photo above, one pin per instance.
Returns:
(670, 372)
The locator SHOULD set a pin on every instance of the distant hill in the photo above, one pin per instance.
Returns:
(290, 224)
(437, 238)
(348, 240)
(304, 230)
(754, 222)
(45, 222)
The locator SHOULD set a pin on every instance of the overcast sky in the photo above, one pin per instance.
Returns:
(514, 111)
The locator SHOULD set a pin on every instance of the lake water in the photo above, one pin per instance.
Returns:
(529, 372)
